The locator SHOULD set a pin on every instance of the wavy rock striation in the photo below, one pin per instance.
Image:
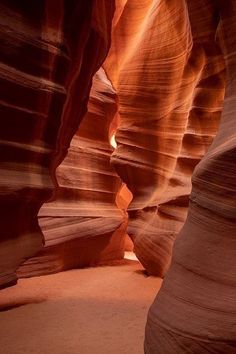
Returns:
(50, 51)
(195, 309)
(83, 226)
(169, 77)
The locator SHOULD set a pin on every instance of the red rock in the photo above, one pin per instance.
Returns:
(83, 225)
(50, 51)
(165, 70)
(195, 309)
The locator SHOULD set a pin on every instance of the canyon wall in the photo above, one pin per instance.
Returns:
(160, 92)
(50, 51)
(169, 76)
(83, 225)
(195, 309)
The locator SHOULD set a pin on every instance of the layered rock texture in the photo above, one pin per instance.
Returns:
(169, 75)
(195, 311)
(83, 225)
(50, 51)
(158, 100)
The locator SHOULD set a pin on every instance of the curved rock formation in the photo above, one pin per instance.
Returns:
(195, 311)
(49, 52)
(83, 226)
(169, 77)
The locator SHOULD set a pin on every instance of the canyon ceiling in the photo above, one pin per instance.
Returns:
(119, 117)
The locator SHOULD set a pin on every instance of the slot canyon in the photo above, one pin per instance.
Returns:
(118, 176)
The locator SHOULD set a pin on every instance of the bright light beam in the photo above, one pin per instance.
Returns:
(113, 141)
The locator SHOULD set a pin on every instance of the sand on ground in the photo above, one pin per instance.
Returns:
(85, 311)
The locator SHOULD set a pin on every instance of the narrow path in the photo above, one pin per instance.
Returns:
(88, 311)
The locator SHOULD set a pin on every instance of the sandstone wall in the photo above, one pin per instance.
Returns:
(195, 309)
(83, 225)
(169, 75)
(50, 51)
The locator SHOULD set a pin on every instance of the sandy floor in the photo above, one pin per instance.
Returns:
(87, 311)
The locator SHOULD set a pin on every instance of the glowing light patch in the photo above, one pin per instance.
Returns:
(113, 141)
(131, 256)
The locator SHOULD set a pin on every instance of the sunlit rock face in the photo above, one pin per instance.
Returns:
(169, 75)
(195, 309)
(83, 225)
(49, 52)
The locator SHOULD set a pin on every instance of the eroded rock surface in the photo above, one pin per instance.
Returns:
(50, 51)
(83, 225)
(195, 309)
(169, 75)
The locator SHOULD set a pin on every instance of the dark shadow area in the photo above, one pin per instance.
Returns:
(142, 272)
(13, 305)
